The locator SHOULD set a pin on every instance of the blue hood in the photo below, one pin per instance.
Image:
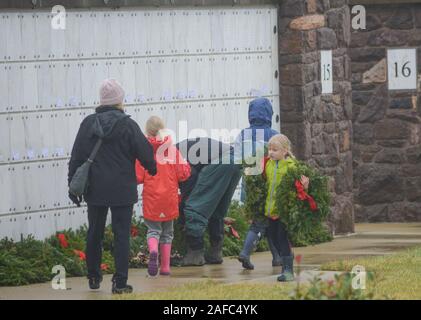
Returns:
(260, 113)
(260, 118)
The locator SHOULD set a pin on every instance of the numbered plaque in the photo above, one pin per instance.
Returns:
(402, 69)
(326, 72)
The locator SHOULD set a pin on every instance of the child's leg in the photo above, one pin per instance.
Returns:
(285, 245)
(153, 236)
(273, 235)
(276, 257)
(165, 246)
(255, 233)
(279, 235)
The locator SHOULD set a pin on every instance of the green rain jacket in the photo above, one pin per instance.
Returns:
(274, 171)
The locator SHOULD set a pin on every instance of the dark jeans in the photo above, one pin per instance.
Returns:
(260, 227)
(121, 223)
(276, 231)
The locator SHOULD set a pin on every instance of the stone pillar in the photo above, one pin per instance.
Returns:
(387, 124)
(319, 125)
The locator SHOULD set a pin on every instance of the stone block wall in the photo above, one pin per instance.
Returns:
(386, 124)
(319, 125)
(365, 138)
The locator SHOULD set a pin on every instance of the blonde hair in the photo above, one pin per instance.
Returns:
(154, 125)
(282, 141)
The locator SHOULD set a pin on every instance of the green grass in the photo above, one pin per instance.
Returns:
(396, 276)
(212, 290)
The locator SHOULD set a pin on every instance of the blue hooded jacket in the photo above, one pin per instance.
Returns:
(260, 117)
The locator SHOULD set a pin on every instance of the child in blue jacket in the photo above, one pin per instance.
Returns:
(249, 142)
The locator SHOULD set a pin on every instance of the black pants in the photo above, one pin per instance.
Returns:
(276, 231)
(121, 223)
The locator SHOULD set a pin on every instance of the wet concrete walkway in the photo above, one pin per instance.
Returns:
(369, 240)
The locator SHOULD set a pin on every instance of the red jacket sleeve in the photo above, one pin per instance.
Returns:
(182, 168)
(140, 173)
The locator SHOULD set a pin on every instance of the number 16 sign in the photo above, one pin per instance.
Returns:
(402, 69)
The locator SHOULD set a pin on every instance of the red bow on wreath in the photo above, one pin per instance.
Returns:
(302, 195)
(228, 222)
(62, 240)
(80, 254)
(134, 232)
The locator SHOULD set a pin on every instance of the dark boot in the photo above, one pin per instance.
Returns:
(249, 244)
(287, 269)
(245, 262)
(95, 283)
(194, 258)
(214, 254)
(123, 290)
(276, 257)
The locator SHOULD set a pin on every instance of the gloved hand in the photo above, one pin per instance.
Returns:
(75, 199)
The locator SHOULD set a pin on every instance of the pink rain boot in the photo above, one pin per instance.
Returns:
(165, 259)
(153, 256)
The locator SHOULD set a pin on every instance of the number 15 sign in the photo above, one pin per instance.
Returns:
(326, 71)
(402, 69)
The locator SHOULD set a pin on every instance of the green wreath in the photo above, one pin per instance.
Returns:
(256, 191)
(304, 226)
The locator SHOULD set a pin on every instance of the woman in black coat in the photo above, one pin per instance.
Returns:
(112, 180)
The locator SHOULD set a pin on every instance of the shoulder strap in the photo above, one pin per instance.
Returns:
(99, 142)
(95, 150)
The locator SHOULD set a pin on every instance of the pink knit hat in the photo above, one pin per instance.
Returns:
(111, 93)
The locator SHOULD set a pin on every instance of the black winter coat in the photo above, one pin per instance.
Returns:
(112, 179)
(214, 152)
